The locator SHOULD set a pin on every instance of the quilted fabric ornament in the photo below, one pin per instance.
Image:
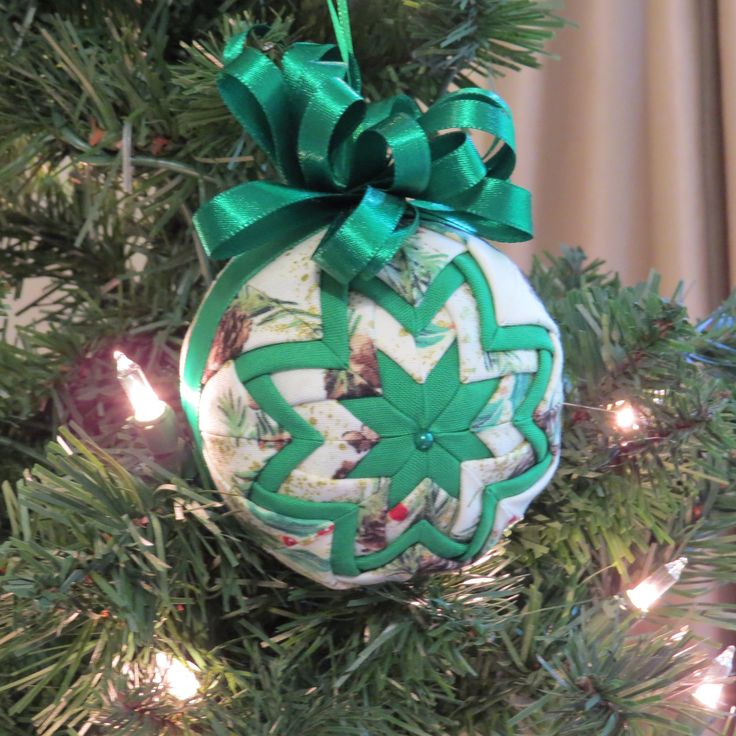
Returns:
(374, 388)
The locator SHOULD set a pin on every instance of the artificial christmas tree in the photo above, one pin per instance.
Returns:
(132, 599)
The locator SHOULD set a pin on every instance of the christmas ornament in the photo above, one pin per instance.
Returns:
(375, 389)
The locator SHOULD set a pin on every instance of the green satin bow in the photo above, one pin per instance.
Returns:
(368, 172)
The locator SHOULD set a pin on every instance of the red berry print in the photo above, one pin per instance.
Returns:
(398, 512)
(289, 541)
(328, 530)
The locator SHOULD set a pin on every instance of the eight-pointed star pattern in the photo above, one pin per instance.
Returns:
(424, 428)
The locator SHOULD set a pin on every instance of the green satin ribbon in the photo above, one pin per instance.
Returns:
(367, 172)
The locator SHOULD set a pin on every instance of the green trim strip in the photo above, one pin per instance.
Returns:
(289, 356)
(483, 298)
(496, 492)
(332, 351)
(343, 515)
(413, 319)
(207, 319)
(267, 396)
(420, 533)
(493, 337)
(304, 438)
(523, 418)
(205, 323)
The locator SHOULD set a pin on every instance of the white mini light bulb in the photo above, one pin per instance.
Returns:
(147, 407)
(625, 416)
(650, 590)
(178, 678)
(709, 692)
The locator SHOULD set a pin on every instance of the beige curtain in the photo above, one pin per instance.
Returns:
(628, 142)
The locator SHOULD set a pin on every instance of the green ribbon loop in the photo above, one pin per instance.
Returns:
(367, 172)
(405, 138)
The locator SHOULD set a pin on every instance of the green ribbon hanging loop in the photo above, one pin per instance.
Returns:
(367, 172)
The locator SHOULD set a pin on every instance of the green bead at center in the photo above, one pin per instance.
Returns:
(424, 440)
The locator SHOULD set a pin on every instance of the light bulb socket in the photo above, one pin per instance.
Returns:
(161, 436)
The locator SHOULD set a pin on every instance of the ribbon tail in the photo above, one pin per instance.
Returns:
(260, 214)
(392, 244)
(495, 209)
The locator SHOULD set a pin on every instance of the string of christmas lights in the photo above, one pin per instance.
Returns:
(157, 424)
